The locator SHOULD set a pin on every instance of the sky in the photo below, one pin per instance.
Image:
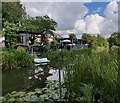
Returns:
(87, 16)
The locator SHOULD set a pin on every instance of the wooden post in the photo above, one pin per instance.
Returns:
(32, 50)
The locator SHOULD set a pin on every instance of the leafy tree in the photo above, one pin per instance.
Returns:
(102, 42)
(45, 24)
(14, 17)
(72, 36)
(10, 33)
(91, 40)
(87, 37)
(94, 41)
(39, 24)
(12, 12)
(114, 39)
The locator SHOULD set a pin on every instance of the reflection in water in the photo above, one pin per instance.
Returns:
(28, 79)
(37, 77)
(55, 75)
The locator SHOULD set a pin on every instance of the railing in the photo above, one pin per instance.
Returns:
(34, 49)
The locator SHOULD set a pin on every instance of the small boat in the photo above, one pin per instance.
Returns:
(42, 60)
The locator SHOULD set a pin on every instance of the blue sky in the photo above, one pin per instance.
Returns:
(96, 7)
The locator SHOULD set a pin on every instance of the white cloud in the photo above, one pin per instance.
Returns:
(70, 17)
(65, 14)
(111, 21)
(108, 27)
(111, 11)
(92, 23)
(80, 25)
(96, 24)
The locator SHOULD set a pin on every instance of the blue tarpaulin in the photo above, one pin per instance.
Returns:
(42, 60)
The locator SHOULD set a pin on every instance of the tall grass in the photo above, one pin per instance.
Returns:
(98, 72)
(90, 76)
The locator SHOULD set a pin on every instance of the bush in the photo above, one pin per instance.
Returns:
(16, 59)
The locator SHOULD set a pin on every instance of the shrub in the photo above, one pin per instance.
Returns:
(16, 59)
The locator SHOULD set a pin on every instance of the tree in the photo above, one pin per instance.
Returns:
(14, 15)
(39, 24)
(45, 24)
(101, 41)
(114, 39)
(10, 33)
(72, 37)
(94, 41)
(12, 12)
(87, 37)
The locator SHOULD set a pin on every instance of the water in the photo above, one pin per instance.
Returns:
(28, 79)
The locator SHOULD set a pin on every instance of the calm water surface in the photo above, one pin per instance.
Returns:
(28, 79)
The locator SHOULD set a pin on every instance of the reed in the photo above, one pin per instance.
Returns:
(90, 76)
(99, 74)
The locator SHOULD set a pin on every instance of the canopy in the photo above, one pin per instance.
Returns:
(42, 60)
(66, 41)
(72, 44)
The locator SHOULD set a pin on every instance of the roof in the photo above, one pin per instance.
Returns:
(29, 32)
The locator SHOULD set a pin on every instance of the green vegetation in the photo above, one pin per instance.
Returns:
(114, 39)
(39, 24)
(10, 33)
(88, 77)
(15, 19)
(12, 12)
(94, 77)
(16, 59)
(48, 94)
(95, 41)
(72, 37)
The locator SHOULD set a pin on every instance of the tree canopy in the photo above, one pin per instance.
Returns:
(95, 41)
(12, 11)
(114, 39)
(72, 36)
(15, 19)
(39, 24)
